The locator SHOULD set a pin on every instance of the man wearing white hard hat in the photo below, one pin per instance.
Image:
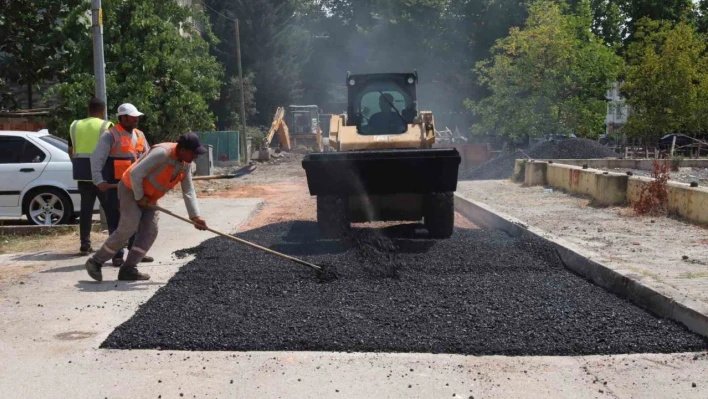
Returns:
(117, 149)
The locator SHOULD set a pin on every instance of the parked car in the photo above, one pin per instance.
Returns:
(36, 178)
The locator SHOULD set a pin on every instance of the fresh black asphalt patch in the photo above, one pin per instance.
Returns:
(479, 293)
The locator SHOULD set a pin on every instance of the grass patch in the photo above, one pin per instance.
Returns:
(59, 242)
(646, 273)
(691, 275)
(10, 243)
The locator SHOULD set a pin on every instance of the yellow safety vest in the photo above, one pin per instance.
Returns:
(84, 138)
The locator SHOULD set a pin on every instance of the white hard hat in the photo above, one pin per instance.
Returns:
(128, 109)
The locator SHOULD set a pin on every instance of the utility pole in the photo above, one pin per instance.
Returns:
(242, 137)
(99, 68)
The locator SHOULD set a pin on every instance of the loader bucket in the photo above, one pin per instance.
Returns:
(382, 172)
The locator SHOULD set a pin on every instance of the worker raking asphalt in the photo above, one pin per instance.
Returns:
(479, 292)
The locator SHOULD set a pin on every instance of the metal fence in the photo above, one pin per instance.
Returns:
(225, 144)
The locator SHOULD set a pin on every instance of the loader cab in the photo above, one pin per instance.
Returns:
(302, 119)
(382, 104)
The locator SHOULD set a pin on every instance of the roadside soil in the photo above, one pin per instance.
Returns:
(23, 255)
(653, 247)
(281, 183)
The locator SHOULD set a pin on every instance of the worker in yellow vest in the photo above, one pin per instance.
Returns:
(84, 135)
(144, 183)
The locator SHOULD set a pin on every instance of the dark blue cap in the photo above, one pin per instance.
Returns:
(190, 141)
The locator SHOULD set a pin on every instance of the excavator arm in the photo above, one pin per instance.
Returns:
(281, 129)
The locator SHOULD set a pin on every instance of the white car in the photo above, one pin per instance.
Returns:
(36, 178)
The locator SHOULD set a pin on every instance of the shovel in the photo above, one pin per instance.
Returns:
(316, 268)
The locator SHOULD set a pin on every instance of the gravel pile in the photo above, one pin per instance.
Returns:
(503, 167)
(478, 293)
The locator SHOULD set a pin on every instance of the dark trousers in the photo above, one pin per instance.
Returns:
(89, 193)
(112, 211)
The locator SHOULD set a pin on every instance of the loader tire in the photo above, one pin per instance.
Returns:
(439, 215)
(332, 217)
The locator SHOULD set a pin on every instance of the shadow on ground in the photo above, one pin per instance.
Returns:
(46, 256)
(303, 239)
(65, 269)
(107, 285)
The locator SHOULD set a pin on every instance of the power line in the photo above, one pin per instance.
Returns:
(217, 12)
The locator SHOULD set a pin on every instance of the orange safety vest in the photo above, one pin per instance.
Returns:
(125, 151)
(162, 178)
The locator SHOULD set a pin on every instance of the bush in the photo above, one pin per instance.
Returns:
(653, 197)
(676, 163)
(258, 137)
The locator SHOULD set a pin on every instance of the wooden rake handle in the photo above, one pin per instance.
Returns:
(316, 268)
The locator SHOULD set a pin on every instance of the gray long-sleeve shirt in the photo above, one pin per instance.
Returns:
(100, 155)
(152, 160)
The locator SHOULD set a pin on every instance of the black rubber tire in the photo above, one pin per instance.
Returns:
(332, 217)
(66, 203)
(439, 215)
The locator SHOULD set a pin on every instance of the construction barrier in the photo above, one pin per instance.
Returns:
(607, 188)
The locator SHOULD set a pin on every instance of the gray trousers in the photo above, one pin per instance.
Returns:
(133, 220)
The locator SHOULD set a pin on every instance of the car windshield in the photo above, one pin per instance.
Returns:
(56, 142)
(381, 106)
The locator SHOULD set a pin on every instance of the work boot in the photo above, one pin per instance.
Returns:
(85, 250)
(118, 261)
(94, 269)
(131, 273)
(147, 259)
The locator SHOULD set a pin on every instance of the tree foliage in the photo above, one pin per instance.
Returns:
(30, 34)
(702, 16)
(442, 39)
(155, 59)
(547, 63)
(231, 100)
(548, 78)
(657, 10)
(666, 80)
(274, 49)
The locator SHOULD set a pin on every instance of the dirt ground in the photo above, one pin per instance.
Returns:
(20, 256)
(281, 184)
(54, 321)
(283, 187)
(667, 250)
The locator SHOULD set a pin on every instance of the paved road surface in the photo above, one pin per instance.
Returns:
(49, 341)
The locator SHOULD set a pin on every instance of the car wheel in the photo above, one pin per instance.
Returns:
(48, 207)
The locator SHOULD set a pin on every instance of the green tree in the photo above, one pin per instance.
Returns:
(30, 36)
(666, 80)
(548, 78)
(274, 48)
(608, 19)
(231, 101)
(7, 100)
(702, 16)
(658, 10)
(155, 59)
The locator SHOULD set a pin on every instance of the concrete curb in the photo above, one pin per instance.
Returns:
(30, 230)
(658, 298)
